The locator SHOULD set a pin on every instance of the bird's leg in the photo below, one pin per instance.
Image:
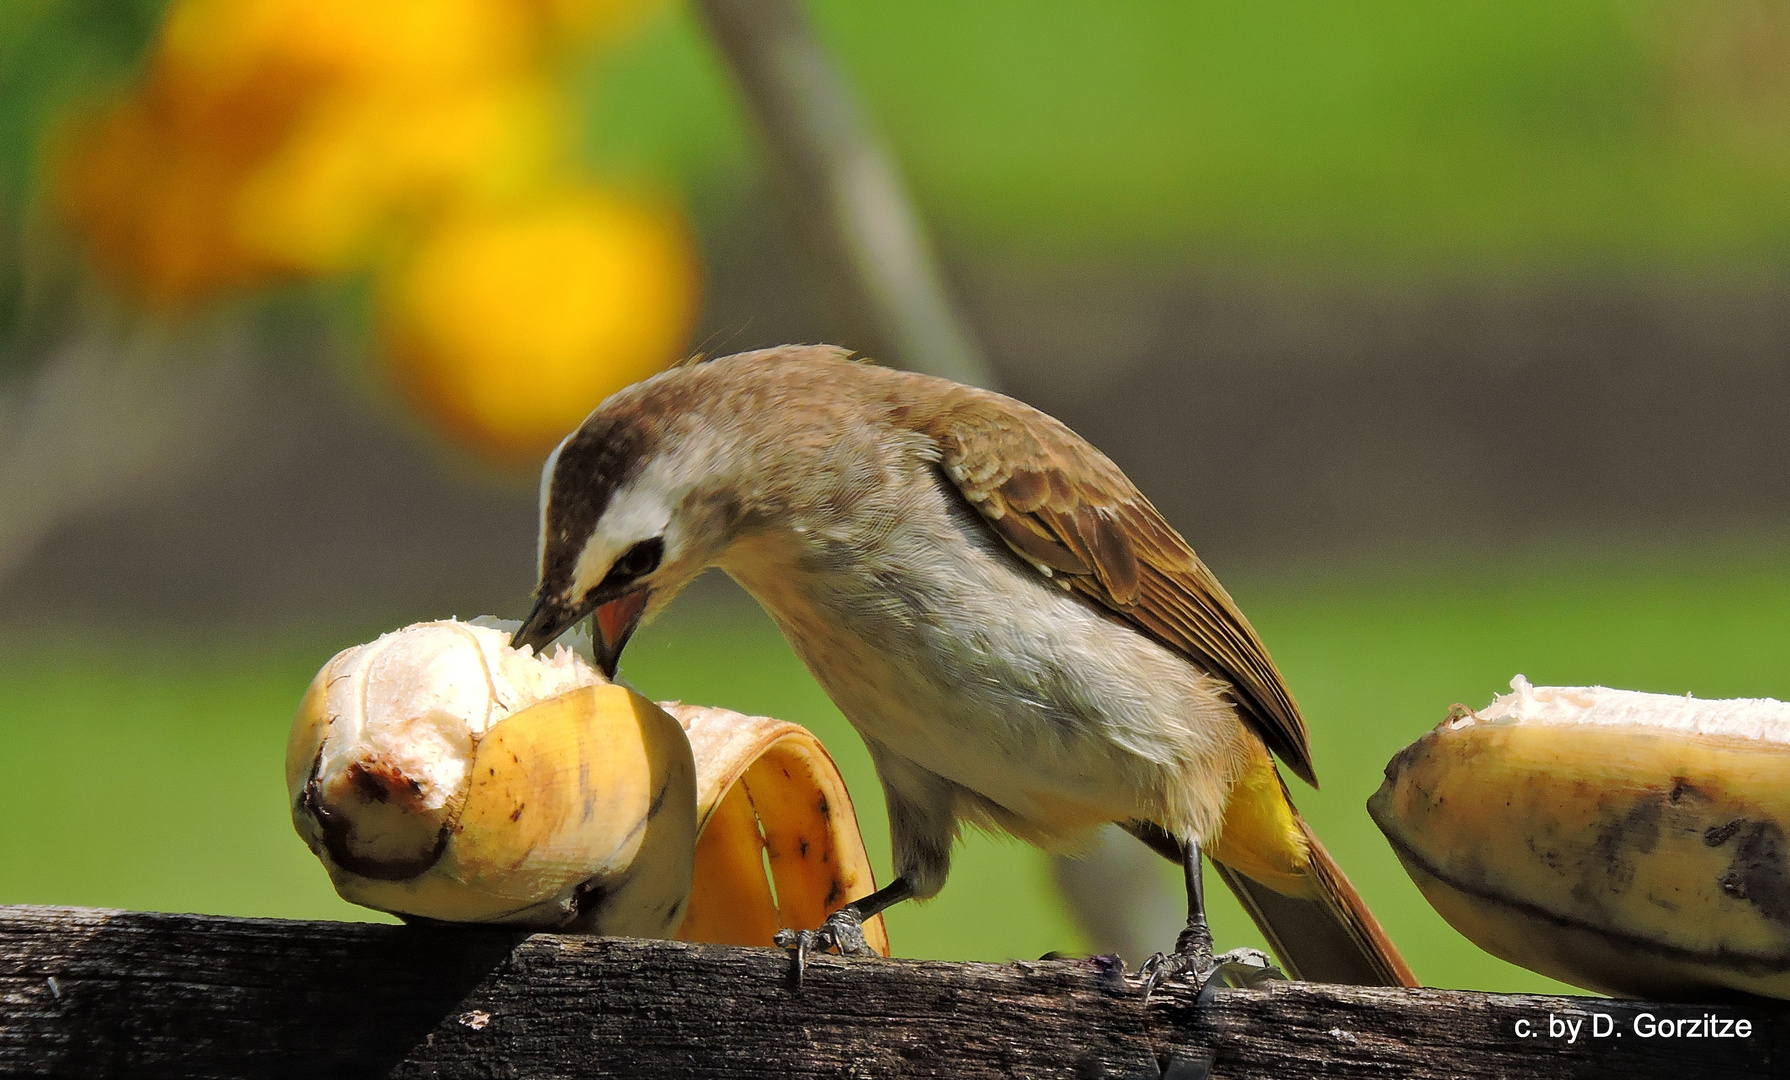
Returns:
(1193, 948)
(844, 929)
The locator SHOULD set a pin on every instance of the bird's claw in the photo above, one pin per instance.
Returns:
(1249, 968)
(1161, 967)
(843, 932)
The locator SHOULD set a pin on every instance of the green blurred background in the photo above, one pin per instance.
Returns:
(1452, 335)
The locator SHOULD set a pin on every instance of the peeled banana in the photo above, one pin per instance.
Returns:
(1629, 843)
(438, 773)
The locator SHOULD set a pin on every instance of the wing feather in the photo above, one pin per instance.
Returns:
(1067, 510)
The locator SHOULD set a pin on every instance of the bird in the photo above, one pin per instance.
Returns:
(1022, 641)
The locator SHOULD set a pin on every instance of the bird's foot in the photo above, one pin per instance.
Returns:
(843, 932)
(1194, 959)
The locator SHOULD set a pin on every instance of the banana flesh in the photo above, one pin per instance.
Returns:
(780, 846)
(1633, 844)
(438, 773)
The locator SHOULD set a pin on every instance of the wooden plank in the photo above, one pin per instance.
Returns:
(86, 992)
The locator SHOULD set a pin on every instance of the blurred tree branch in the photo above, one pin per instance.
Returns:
(116, 407)
(866, 242)
(845, 195)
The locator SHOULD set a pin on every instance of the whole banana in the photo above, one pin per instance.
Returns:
(1633, 844)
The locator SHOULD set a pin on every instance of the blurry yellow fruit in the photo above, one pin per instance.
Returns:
(323, 199)
(213, 49)
(437, 772)
(394, 106)
(274, 137)
(1633, 844)
(153, 203)
(175, 217)
(506, 329)
(579, 21)
(769, 798)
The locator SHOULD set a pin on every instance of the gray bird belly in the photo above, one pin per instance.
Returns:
(1007, 687)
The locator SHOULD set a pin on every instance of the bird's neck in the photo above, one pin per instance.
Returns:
(842, 550)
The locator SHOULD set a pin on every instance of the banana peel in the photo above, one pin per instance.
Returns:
(439, 774)
(1632, 844)
(779, 846)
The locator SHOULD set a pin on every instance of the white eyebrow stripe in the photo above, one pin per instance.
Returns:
(637, 512)
(547, 471)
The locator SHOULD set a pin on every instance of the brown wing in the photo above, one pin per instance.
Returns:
(1064, 507)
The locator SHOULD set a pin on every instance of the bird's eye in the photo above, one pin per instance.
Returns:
(638, 561)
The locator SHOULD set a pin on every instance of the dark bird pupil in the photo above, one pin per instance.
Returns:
(642, 558)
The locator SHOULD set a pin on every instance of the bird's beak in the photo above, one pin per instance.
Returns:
(549, 619)
(613, 622)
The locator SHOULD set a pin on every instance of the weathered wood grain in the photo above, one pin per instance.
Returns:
(87, 992)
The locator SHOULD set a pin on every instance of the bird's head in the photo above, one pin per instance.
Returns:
(625, 522)
(645, 495)
(663, 478)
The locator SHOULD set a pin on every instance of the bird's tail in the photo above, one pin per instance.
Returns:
(1329, 936)
(1303, 903)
